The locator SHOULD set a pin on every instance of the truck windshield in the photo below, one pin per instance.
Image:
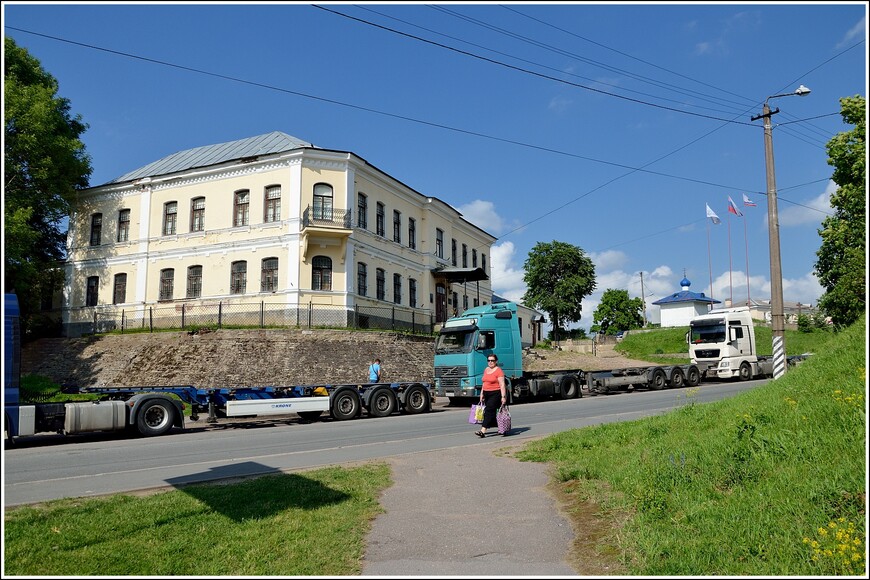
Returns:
(707, 334)
(454, 342)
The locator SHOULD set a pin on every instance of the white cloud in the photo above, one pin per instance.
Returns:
(559, 104)
(483, 215)
(608, 260)
(854, 33)
(507, 279)
(812, 212)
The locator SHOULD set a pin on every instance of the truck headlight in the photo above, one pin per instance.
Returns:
(724, 364)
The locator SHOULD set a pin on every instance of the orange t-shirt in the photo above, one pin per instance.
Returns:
(490, 380)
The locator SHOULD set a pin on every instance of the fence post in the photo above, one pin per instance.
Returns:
(182, 317)
(393, 319)
(310, 312)
(220, 313)
(356, 316)
(413, 325)
(262, 315)
(122, 322)
(151, 319)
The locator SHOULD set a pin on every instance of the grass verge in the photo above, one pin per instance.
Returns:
(301, 524)
(770, 482)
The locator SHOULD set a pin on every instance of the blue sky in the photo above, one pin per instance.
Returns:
(607, 126)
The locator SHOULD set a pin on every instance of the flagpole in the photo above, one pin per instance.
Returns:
(709, 261)
(730, 282)
(746, 244)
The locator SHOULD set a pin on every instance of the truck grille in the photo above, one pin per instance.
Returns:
(450, 375)
(707, 353)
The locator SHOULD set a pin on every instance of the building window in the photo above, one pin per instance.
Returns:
(119, 296)
(473, 258)
(241, 203)
(397, 227)
(170, 217)
(382, 284)
(362, 211)
(272, 204)
(194, 281)
(483, 261)
(167, 281)
(362, 279)
(412, 293)
(269, 275)
(397, 289)
(93, 288)
(412, 233)
(453, 251)
(238, 277)
(197, 214)
(123, 225)
(439, 243)
(96, 228)
(464, 302)
(321, 273)
(380, 220)
(464, 256)
(323, 202)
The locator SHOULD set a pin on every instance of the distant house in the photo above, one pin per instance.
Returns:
(680, 307)
(530, 320)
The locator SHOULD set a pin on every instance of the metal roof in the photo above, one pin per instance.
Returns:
(274, 142)
(687, 296)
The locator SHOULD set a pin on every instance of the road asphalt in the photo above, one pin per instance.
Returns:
(469, 511)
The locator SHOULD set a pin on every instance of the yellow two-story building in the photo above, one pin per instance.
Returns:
(268, 220)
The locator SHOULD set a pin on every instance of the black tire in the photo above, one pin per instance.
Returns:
(382, 402)
(568, 388)
(745, 372)
(657, 379)
(678, 379)
(155, 417)
(416, 399)
(345, 404)
(309, 415)
(693, 377)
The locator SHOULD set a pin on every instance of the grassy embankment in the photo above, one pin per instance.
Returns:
(770, 482)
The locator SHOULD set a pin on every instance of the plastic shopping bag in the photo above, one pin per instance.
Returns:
(503, 418)
(476, 414)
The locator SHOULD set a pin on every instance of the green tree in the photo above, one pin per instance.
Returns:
(841, 264)
(617, 311)
(558, 277)
(45, 164)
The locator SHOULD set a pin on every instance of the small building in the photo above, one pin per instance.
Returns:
(680, 307)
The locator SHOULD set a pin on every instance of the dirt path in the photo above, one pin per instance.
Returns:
(606, 357)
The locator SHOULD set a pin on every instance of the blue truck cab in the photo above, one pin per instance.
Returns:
(466, 340)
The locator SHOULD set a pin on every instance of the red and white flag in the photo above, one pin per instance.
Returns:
(732, 207)
(748, 202)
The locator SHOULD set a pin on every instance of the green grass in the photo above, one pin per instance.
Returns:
(301, 524)
(770, 482)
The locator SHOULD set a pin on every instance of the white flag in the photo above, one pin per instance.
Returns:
(712, 215)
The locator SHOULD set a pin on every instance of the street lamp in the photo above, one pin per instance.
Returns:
(777, 314)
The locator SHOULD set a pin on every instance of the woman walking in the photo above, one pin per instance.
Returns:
(493, 386)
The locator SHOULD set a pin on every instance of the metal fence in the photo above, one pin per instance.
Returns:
(265, 315)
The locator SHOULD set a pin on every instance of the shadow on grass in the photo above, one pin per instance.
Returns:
(251, 490)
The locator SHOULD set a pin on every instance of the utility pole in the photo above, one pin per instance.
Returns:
(643, 297)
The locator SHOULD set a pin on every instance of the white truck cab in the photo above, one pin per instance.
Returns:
(722, 343)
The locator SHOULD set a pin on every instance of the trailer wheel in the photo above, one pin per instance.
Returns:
(568, 388)
(693, 377)
(309, 415)
(678, 379)
(345, 405)
(416, 399)
(382, 402)
(657, 379)
(745, 372)
(155, 417)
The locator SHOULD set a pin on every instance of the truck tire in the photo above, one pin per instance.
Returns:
(745, 372)
(382, 402)
(657, 379)
(568, 388)
(155, 417)
(678, 379)
(416, 399)
(693, 377)
(309, 415)
(345, 405)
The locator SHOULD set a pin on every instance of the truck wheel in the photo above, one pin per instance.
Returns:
(677, 379)
(382, 403)
(309, 415)
(745, 372)
(657, 379)
(416, 399)
(693, 377)
(345, 405)
(155, 417)
(568, 388)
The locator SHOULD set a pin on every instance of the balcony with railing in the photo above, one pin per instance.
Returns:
(325, 226)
